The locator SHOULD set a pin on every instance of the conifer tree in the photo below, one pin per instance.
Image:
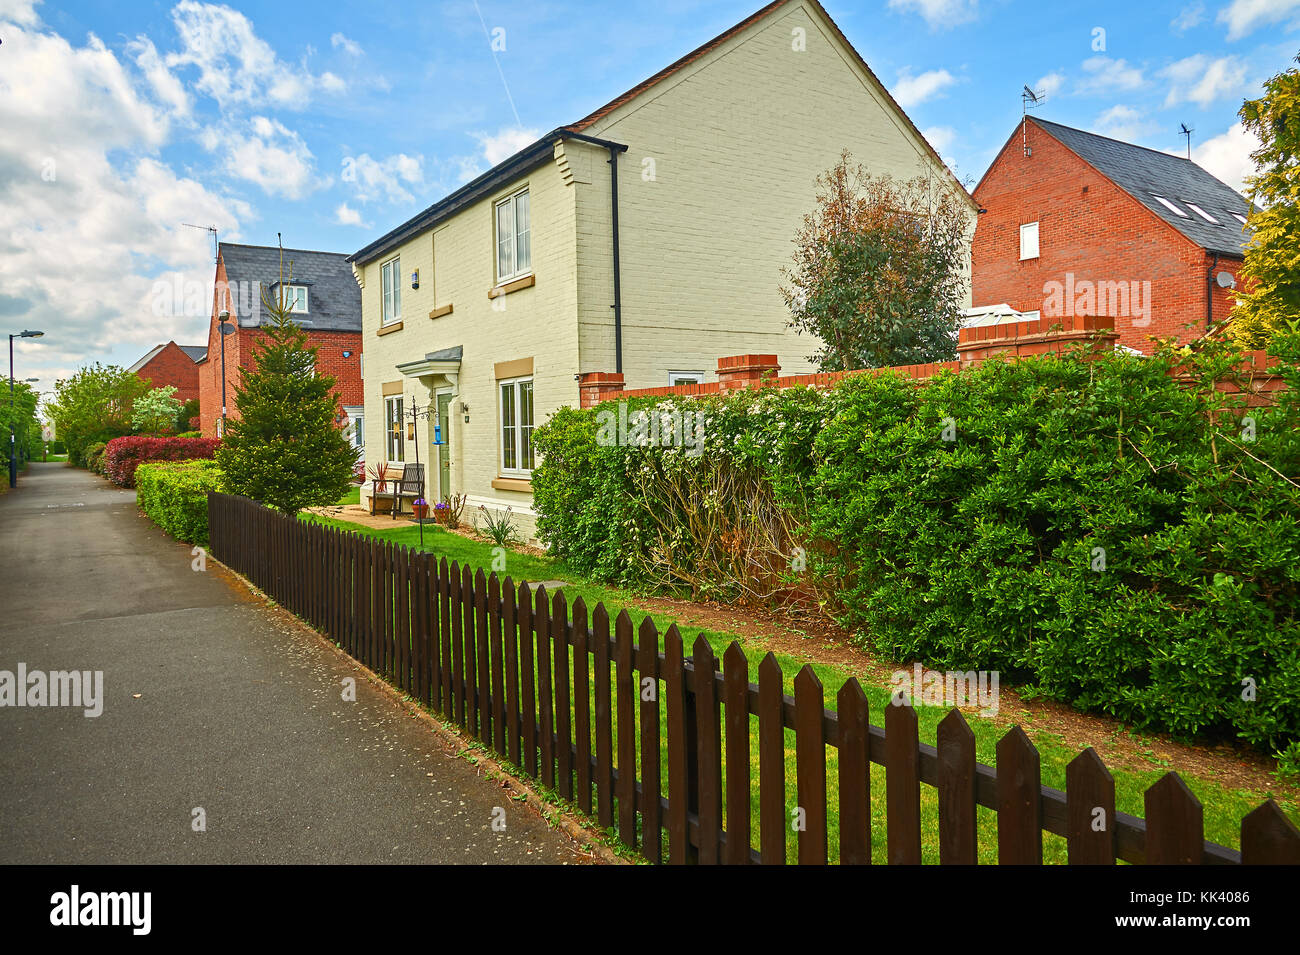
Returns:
(285, 449)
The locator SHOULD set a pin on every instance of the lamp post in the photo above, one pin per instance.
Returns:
(13, 460)
(222, 319)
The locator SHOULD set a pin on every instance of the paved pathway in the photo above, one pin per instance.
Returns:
(209, 700)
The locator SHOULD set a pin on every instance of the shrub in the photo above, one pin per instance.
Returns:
(1112, 533)
(498, 526)
(124, 455)
(57, 447)
(190, 434)
(174, 495)
(94, 456)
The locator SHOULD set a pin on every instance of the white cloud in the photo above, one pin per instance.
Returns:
(939, 13)
(1244, 17)
(235, 65)
(912, 91)
(267, 153)
(21, 12)
(346, 215)
(1227, 156)
(350, 47)
(84, 238)
(1198, 79)
(506, 142)
(1107, 75)
(166, 87)
(384, 178)
(1050, 84)
(1124, 122)
(1192, 15)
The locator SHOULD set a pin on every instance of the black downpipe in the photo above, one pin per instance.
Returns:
(1209, 294)
(618, 286)
(614, 149)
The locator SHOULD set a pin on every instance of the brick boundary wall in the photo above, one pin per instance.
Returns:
(974, 345)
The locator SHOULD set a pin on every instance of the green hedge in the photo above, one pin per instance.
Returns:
(174, 495)
(1095, 530)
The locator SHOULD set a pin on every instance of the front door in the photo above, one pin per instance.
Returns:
(444, 448)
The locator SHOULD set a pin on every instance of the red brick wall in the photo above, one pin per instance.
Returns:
(171, 366)
(1092, 229)
(240, 353)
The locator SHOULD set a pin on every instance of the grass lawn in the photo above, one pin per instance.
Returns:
(1223, 805)
(351, 497)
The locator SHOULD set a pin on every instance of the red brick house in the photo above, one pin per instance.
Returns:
(1073, 224)
(172, 364)
(325, 300)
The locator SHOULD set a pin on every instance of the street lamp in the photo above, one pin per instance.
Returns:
(223, 318)
(13, 460)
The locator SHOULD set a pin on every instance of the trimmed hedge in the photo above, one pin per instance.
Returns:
(94, 455)
(174, 495)
(123, 455)
(1096, 530)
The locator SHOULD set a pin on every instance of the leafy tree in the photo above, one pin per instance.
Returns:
(189, 411)
(156, 411)
(20, 414)
(285, 448)
(1270, 295)
(879, 270)
(94, 405)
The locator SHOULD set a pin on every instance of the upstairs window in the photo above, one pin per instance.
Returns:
(1029, 241)
(294, 297)
(392, 284)
(514, 237)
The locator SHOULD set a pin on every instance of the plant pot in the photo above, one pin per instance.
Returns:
(421, 511)
(441, 515)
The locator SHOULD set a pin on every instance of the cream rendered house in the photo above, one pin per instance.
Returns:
(491, 304)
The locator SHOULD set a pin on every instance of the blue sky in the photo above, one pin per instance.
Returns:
(332, 123)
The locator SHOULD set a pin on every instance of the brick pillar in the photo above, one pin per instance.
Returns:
(597, 386)
(745, 371)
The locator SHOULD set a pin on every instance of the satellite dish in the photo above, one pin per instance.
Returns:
(1225, 280)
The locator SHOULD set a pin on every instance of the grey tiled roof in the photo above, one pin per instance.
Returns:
(1146, 173)
(333, 297)
(196, 352)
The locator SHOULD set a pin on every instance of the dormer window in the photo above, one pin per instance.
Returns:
(294, 297)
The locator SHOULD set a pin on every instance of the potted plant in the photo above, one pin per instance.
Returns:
(420, 507)
(441, 511)
(379, 475)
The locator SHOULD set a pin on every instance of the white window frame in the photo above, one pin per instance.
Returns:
(515, 438)
(1202, 213)
(1240, 218)
(285, 291)
(389, 400)
(515, 270)
(390, 291)
(674, 376)
(356, 416)
(1032, 316)
(1029, 229)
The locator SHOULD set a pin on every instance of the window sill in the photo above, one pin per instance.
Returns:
(514, 285)
(439, 312)
(513, 484)
(389, 328)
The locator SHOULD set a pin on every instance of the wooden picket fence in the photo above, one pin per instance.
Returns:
(530, 677)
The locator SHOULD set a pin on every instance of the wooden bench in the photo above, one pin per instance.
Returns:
(408, 484)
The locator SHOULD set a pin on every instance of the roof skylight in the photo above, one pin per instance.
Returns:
(1202, 213)
(1169, 205)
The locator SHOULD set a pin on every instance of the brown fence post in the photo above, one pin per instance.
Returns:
(545, 700)
(1020, 826)
(648, 693)
(1175, 823)
(563, 718)
(1268, 837)
(604, 718)
(679, 781)
(582, 703)
(1090, 808)
(855, 774)
(810, 762)
(735, 680)
(957, 844)
(771, 762)
(902, 785)
(625, 700)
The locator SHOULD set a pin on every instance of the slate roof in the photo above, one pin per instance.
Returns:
(196, 353)
(333, 296)
(1146, 173)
